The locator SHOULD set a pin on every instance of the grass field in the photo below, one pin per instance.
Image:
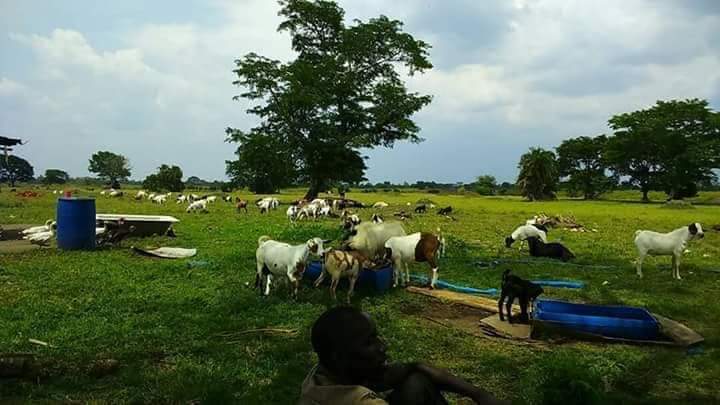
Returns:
(170, 326)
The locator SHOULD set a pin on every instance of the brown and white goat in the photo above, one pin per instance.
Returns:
(414, 248)
(342, 264)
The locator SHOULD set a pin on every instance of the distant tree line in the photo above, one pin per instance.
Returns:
(673, 146)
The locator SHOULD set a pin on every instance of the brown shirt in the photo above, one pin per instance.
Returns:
(319, 389)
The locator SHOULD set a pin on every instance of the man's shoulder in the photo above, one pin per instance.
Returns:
(319, 389)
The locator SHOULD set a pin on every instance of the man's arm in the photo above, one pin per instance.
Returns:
(451, 383)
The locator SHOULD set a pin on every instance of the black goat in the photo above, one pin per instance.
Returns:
(421, 209)
(445, 211)
(515, 287)
(553, 250)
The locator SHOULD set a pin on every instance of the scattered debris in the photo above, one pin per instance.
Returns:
(40, 342)
(559, 221)
(103, 367)
(166, 252)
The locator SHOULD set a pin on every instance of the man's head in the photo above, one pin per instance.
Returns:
(347, 344)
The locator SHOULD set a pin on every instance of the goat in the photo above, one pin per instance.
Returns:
(369, 238)
(140, 195)
(279, 258)
(414, 248)
(380, 204)
(199, 205)
(228, 198)
(421, 209)
(523, 232)
(666, 244)
(555, 250)
(515, 287)
(292, 213)
(342, 264)
(159, 199)
(445, 211)
(241, 205)
(211, 198)
(377, 219)
(181, 199)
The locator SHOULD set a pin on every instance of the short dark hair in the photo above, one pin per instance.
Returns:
(333, 329)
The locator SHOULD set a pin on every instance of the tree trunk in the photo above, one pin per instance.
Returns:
(315, 189)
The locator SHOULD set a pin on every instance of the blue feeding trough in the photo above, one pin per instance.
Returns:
(609, 321)
(76, 223)
(378, 279)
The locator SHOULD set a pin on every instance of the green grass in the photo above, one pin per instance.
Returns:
(162, 320)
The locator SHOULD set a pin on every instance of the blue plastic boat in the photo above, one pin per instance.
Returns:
(378, 279)
(610, 321)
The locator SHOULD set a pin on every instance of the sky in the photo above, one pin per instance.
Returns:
(152, 80)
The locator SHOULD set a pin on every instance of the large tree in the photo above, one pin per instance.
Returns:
(14, 169)
(55, 176)
(486, 185)
(582, 160)
(672, 146)
(538, 175)
(110, 167)
(343, 92)
(167, 178)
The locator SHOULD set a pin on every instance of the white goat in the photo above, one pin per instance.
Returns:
(523, 232)
(666, 244)
(181, 199)
(292, 213)
(199, 205)
(275, 258)
(159, 199)
(140, 195)
(40, 238)
(211, 198)
(380, 204)
(370, 238)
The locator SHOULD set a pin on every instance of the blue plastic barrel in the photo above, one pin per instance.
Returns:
(76, 223)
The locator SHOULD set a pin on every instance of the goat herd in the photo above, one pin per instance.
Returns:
(376, 243)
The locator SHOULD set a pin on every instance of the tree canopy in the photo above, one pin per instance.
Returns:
(110, 166)
(15, 169)
(672, 146)
(538, 174)
(486, 185)
(343, 92)
(55, 176)
(582, 160)
(167, 178)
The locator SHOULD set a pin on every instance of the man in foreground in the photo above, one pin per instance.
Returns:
(353, 368)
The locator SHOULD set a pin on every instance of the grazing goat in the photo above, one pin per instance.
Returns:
(380, 204)
(241, 205)
(414, 248)
(445, 211)
(377, 219)
(350, 221)
(199, 205)
(292, 213)
(181, 199)
(554, 250)
(343, 264)
(666, 244)
(421, 209)
(523, 232)
(211, 198)
(159, 199)
(515, 287)
(369, 238)
(140, 195)
(275, 258)
(227, 198)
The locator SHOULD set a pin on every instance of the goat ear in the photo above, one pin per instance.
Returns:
(693, 229)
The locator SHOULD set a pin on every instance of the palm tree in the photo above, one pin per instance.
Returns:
(538, 174)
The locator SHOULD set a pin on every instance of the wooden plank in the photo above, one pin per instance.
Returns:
(678, 332)
(514, 331)
(487, 304)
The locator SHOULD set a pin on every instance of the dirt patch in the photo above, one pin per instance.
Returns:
(16, 246)
(456, 316)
